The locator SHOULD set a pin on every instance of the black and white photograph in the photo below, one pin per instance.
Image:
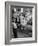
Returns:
(20, 22)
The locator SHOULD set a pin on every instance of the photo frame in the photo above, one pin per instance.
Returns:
(20, 22)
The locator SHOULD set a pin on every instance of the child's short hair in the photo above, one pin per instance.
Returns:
(22, 14)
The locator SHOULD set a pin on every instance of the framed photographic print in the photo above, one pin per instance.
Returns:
(20, 22)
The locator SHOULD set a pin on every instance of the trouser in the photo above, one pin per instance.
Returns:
(15, 33)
